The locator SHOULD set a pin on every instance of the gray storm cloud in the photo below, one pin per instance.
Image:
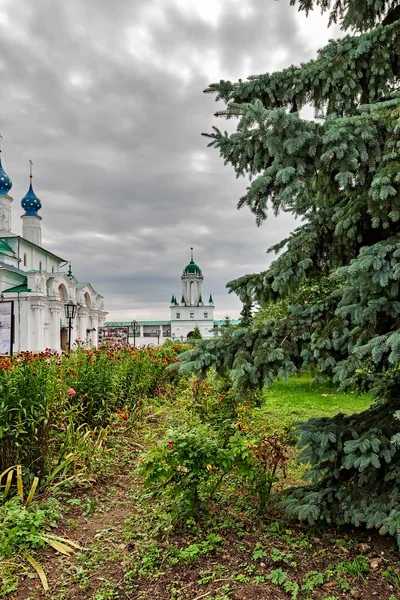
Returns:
(106, 98)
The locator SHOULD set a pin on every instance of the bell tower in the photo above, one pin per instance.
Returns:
(192, 311)
(192, 283)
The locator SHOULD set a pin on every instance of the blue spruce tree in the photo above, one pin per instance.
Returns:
(331, 300)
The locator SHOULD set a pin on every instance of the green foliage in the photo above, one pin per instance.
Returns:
(186, 466)
(355, 14)
(197, 549)
(280, 577)
(28, 386)
(22, 528)
(329, 302)
(53, 409)
(196, 335)
(246, 314)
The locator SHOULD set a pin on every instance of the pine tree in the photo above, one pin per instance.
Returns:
(246, 314)
(331, 299)
(196, 335)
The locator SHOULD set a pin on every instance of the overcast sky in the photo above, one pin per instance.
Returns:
(106, 99)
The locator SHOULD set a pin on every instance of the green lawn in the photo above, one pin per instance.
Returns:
(300, 399)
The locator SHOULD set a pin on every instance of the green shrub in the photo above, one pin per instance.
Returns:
(29, 384)
(186, 466)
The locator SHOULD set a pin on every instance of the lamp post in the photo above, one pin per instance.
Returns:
(134, 323)
(157, 332)
(70, 310)
(173, 337)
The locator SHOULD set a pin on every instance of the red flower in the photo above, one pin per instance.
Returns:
(71, 391)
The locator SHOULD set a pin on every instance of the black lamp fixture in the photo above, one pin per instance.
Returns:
(134, 323)
(70, 312)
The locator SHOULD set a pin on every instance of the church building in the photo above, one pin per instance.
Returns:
(186, 315)
(33, 288)
(191, 311)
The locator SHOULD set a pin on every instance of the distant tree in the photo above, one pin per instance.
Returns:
(196, 335)
(331, 299)
(227, 321)
(246, 314)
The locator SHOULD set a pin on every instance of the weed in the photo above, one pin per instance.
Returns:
(283, 556)
(106, 592)
(311, 580)
(355, 568)
(279, 577)
(258, 552)
(195, 550)
(393, 576)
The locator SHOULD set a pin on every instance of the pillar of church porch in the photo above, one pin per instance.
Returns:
(82, 326)
(55, 331)
(37, 343)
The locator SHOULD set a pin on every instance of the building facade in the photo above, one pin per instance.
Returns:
(187, 314)
(192, 311)
(33, 287)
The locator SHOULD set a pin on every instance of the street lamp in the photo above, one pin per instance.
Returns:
(134, 323)
(157, 332)
(173, 337)
(70, 310)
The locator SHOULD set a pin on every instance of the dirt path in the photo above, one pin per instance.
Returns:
(230, 559)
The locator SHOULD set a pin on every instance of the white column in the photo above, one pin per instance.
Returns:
(36, 334)
(55, 332)
(82, 326)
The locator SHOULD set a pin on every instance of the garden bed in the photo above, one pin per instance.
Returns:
(135, 544)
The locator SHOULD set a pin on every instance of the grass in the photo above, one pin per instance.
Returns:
(300, 398)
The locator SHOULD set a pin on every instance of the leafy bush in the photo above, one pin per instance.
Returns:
(22, 528)
(185, 466)
(29, 384)
(43, 397)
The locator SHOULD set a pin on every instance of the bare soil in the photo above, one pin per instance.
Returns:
(107, 568)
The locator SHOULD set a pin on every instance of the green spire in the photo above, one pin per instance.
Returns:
(200, 300)
(173, 301)
(69, 274)
(210, 301)
(182, 300)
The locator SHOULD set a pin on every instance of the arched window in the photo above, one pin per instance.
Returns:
(25, 259)
(62, 292)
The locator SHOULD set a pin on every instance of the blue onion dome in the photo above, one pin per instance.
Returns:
(30, 202)
(5, 180)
